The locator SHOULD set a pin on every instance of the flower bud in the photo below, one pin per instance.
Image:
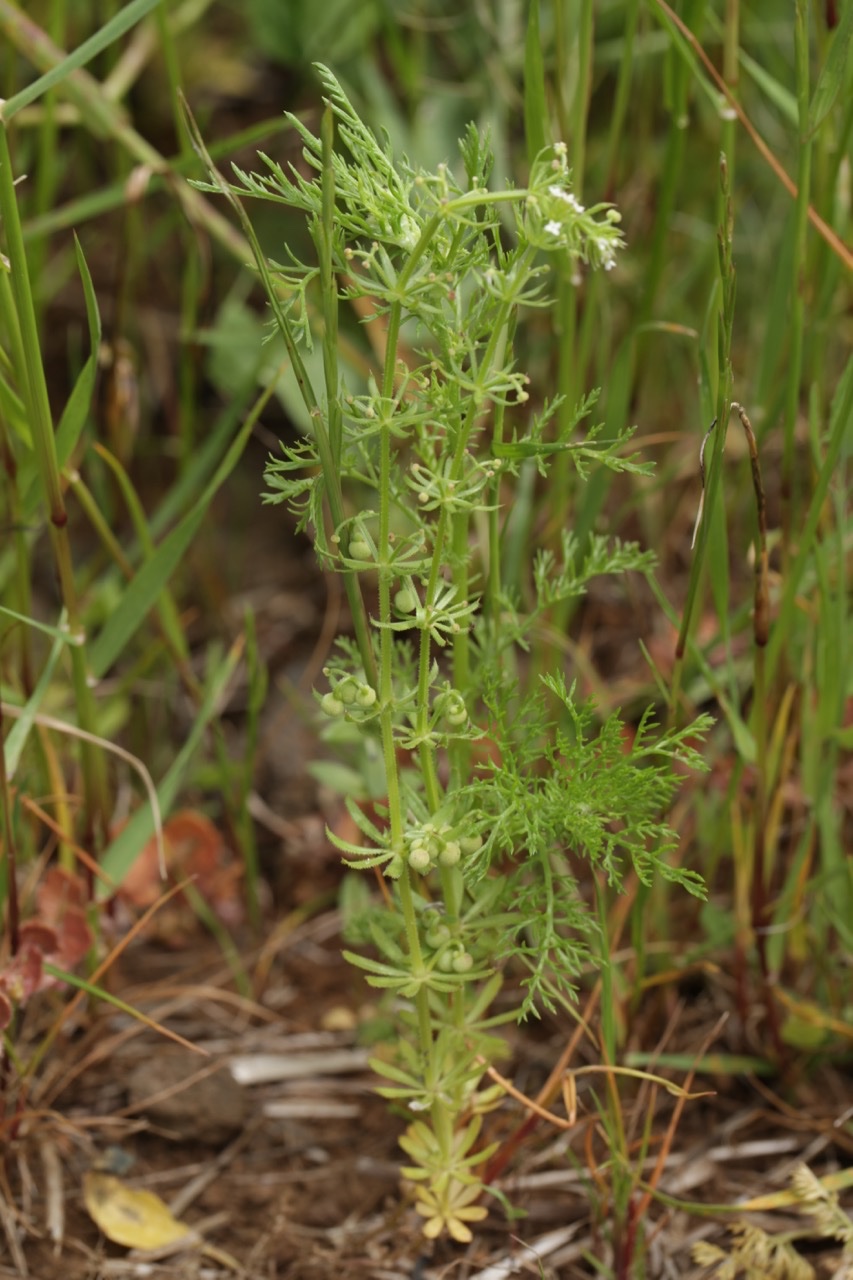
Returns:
(450, 854)
(346, 691)
(331, 706)
(453, 709)
(406, 600)
(366, 696)
(419, 859)
(437, 936)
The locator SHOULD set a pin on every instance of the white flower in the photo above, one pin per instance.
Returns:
(567, 197)
(554, 228)
(608, 257)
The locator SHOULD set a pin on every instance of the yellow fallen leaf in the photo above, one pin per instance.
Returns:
(136, 1219)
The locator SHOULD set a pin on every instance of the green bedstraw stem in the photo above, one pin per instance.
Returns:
(325, 246)
(386, 653)
(569, 369)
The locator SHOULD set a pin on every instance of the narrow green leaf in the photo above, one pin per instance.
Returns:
(20, 731)
(95, 203)
(102, 39)
(91, 988)
(169, 614)
(143, 591)
(782, 98)
(375, 966)
(220, 932)
(535, 102)
(690, 65)
(841, 415)
(391, 1072)
(128, 844)
(833, 71)
(722, 1064)
(101, 994)
(58, 633)
(12, 408)
(202, 464)
(76, 410)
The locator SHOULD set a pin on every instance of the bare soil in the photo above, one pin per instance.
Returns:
(296, 1175)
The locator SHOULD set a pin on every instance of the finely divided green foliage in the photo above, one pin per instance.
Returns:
(483, 858)
(567, 784)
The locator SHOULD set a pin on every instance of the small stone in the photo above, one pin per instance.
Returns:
(189, 1096)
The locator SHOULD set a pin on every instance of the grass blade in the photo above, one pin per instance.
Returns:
(18, 734)
(832, 74)
(102, 39)
(156, 572)
(123, 851)
(76, 410)
(535, 104)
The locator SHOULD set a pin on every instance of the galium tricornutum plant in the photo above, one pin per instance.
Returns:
(405, 480)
